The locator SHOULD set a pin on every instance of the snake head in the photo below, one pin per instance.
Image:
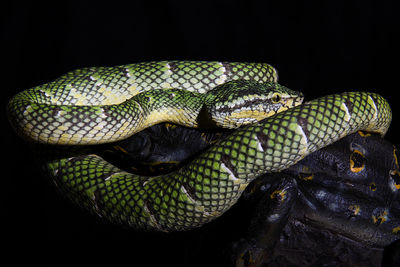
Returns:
(241, 102)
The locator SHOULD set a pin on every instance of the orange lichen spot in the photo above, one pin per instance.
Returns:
(395, 156)
(396, 230)
(395, 175)
(381, 218)
(355, 209)
(357, 161)
(118, 148)
(281, 193)
(372, 186)
(170, 125)
(306, 177)
(364, 134)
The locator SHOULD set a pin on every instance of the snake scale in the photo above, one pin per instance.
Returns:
(98, 105)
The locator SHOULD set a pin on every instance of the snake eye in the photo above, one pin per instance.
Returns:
(276, 98)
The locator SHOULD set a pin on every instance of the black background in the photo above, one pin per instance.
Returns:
(318, 47)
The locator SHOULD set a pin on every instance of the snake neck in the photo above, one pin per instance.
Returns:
(172, 105)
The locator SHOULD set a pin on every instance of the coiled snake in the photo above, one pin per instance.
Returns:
(98, 105)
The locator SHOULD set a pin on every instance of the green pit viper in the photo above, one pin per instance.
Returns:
(106, 104)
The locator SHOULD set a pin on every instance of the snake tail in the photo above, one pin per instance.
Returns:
(209, 185)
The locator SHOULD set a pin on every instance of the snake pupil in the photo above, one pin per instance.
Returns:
(276, 98)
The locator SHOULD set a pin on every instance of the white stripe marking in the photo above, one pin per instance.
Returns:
(112, 175)
(153, 221)
(346, 110)
(187, 194)
(375, 108)
(231, 175)
(221, 79)
(259, 146)
(148, 180)
(304, 140)
(197, 205)
(139, 106)
(168, 70)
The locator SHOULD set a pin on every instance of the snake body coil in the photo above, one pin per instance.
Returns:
(210, 184)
